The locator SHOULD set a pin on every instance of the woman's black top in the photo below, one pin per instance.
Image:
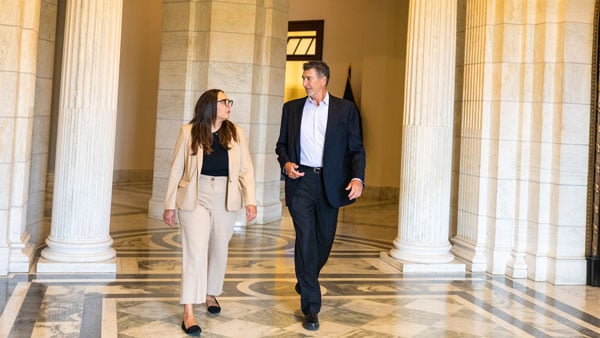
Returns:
(217, 162)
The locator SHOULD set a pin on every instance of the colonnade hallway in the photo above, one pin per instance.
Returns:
(363, 296)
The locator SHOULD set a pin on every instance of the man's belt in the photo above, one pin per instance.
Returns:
(314, 170)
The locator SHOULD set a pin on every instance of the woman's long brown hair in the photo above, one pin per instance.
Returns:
(205, 114)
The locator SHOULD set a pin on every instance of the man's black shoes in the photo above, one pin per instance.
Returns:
(311, 321)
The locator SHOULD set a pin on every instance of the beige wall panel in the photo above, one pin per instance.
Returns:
(231, 47)
(138, 85)
(371, 36)
(233, 18)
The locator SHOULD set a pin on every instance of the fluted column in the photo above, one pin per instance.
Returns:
(79, 237)
(424, 208)
(521, 206)
(469, 244)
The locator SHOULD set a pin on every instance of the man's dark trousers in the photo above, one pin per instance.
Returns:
(315, 222)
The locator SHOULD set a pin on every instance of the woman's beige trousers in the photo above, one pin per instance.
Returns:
(205, 235)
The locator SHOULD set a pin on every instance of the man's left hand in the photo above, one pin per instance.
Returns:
(356, 187)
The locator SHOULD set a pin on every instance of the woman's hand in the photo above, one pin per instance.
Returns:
(250, 213)
(169, 217)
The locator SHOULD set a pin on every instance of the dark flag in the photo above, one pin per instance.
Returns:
(348, 95)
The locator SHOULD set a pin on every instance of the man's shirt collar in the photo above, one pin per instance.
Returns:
(325, 100)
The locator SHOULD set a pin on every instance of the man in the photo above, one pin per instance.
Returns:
(321, 154)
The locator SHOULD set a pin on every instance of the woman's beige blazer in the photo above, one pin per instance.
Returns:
(182, 186)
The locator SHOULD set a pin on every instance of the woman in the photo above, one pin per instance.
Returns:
(211, 179)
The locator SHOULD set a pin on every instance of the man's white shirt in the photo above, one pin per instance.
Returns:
(312, 132)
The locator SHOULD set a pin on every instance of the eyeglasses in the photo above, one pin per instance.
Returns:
(226, 102)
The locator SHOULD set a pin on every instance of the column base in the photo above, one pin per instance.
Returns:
(422, 254)
(516, 268)
(241, 218)
(268, 213)
(516, 273)
(21, 255)
(264, 215)
(405, 266)
(156, 209)
(107, 266)
(469, 253)
(20, 259)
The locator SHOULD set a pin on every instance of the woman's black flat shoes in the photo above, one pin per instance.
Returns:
(214, 308)
(191, 329)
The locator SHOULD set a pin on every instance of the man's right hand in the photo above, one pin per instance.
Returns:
(291, 170)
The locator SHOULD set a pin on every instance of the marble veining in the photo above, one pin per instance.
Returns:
(362, 295)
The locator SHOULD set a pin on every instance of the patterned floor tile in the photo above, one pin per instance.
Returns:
(362, 295)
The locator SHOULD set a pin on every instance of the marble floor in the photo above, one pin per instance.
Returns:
(363, 296)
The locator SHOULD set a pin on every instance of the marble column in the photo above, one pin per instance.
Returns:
(19, 32)
(476, 149)
(38, 226)
(525, 119)
(239, 48)
(424, 207)
(79, 239)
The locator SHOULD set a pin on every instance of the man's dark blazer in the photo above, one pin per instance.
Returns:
(343, 153)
